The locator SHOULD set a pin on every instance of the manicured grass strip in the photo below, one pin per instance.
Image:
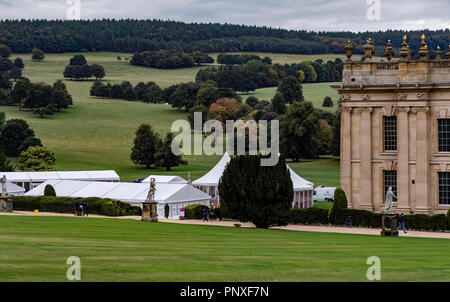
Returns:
(36, 249)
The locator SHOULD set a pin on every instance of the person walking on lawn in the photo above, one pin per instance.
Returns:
(205, 213)
(85, 208)
(401, 223)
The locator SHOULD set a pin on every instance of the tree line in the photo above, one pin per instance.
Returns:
(129, 35)
(238, 59)
(170, 59)
(256, 74)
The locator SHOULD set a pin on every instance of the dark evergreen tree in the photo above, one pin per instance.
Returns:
(340, 202)
(165, 157)
(13, 135)
(251, 192)
(327, 102)
(146, 144)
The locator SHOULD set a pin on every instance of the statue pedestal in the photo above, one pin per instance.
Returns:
(149, 212)
(389, 222)
(6, 204)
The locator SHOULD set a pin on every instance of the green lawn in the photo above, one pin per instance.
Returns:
(314, 93)
(36, 249)
(98, 133)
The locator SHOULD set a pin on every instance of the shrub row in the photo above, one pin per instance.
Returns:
(54, 204)
(194, 211)
(308, 216)
(426, 223)
(359, 218)
(368, 219)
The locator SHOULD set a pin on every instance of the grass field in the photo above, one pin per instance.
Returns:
(98, 133)
(36, 249)
(314, 93)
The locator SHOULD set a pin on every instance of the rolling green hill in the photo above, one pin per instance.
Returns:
(98, 133)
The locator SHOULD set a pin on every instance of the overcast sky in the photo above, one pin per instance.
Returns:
(290, 14)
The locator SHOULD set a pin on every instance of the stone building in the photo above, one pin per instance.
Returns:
(395, 130)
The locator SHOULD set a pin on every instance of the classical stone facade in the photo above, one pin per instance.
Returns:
(394, 118)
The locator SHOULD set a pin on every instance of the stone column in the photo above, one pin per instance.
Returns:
(366, 159)
(346, 153)
(422, 160)
(403, 159)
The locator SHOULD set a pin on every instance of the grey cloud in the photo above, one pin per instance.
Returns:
(291, 14)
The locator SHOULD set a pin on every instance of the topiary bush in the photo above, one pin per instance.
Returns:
(194, 211)
(340, 202)
(309, 216)
(54, 204)
(327, 102)
(49, 191)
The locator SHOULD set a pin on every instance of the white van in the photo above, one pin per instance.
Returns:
(322, 193)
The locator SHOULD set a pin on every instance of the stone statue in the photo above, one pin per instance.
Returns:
(4, 189)
(151, 192)
(389, 200)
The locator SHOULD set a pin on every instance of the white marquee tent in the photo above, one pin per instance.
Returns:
(209, 183)
(166, 179)
(177, 196)
(14, 190)
(30, 180)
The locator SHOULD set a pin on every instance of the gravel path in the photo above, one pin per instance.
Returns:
(307, 228)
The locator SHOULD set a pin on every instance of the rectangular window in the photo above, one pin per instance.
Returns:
(444, 187)
(390, 180)
(444, 135)
(390, 133)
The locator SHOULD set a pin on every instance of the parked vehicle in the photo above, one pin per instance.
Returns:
(322, 193)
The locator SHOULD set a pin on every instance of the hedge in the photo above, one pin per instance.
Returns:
(448, 219)
(424, 222)
(194, 211)
(96, 205)
(368, 219)
(308, 216)
(359, 218)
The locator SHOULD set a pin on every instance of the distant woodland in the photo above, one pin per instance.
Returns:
(133, 36)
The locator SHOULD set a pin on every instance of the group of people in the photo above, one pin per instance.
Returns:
(81, 209)
(209, 214)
